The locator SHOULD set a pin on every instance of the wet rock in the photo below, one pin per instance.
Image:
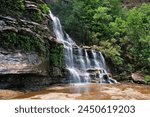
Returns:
(86, 47)
(75, 51)
(94, 70)
(96, 75)
(4, 85)
(95, 47)
(100, 76)
(90, 54)
(94, 81)
(22, 63)
(90, 92)
(138, 77)
(58, 75)
(9, 94)
(106, 78)
(56, 71)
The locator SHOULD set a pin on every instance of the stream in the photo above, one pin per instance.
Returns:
(88, 75)
(122, 91)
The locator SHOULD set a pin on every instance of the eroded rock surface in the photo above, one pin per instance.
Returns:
(21, 63)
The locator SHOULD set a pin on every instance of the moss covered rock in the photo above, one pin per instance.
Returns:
(25, 32)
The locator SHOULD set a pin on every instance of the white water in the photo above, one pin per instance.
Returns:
(80, 61)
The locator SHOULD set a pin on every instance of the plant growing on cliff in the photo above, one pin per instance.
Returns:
(37, 16)
(12, 6)
(56, 54)
(43, 7)
(15, 41)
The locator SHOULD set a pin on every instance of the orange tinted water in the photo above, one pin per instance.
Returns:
(83, 92)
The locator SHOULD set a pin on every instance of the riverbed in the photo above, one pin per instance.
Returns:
(123, 91)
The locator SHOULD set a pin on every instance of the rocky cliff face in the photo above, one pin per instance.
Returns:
(30, 56)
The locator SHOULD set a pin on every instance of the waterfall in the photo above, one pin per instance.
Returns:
(84, 65)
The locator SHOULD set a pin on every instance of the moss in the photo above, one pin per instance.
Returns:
(15, 41)
(12, 7)
(56, 54)
(15, 5)
(36, 17)
(16, 8)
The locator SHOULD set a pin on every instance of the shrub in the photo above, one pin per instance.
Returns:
(12, 5)
(147, 78)
(36, 17)
(43, 7)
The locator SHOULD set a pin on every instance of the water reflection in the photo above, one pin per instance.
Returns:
(83, 91)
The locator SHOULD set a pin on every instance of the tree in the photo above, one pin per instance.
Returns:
(122, 34)
(138, 21)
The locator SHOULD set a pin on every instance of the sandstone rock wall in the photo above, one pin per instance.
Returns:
(30, 56)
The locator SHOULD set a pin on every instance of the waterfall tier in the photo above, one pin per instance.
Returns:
(83, 65)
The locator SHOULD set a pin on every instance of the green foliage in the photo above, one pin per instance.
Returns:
(12, 6)
(69, 14)
(56, 54)
(15, 41)
(15, 5)
(36, 17)
(111, 51)
(118, 27)
(122, 34)
(139, 33)
(147, 78)
(87, 20)
(43, 7)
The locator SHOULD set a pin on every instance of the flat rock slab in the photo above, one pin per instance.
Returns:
(89, 92)
(21, 63)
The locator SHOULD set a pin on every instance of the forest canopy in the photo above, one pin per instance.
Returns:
(121, 33)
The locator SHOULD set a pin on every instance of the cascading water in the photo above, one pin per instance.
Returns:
(83, 65)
